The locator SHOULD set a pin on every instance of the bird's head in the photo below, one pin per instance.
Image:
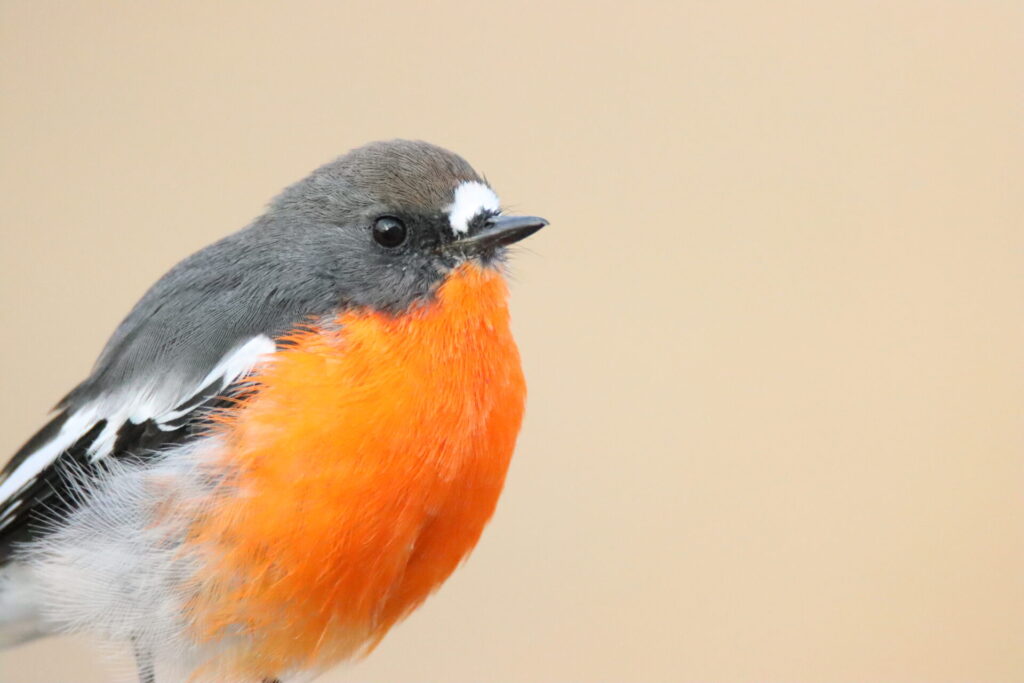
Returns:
(390, 221)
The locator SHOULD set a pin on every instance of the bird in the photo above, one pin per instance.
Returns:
(293, 438)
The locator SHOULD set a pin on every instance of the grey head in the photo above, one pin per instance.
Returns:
(378, 228)
(390, 220)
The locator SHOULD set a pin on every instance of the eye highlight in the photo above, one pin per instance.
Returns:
(389, 232)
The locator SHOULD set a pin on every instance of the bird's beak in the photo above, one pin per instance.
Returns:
(499, 231)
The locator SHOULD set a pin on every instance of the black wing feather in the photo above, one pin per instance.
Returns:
(51, 495)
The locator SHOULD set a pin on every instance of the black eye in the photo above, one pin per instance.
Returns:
(389, 232)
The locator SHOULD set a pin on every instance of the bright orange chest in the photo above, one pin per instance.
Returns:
(368, 463)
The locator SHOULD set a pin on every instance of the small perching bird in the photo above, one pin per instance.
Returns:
(293, 438)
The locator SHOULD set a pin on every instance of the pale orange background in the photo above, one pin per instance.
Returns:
(773, 335)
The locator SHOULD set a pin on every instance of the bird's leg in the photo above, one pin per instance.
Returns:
(144, 663)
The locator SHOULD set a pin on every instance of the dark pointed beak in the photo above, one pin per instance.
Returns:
(499, 231)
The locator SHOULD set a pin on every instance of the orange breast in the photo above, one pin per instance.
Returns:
(367, 464)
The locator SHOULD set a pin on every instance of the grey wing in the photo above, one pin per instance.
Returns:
(133, 422)
(192, 339)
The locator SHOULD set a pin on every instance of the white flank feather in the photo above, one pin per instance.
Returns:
(136, 405)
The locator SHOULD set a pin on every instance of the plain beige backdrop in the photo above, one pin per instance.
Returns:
(773, 336)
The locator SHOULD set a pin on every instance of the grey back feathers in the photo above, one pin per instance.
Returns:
(308, 256)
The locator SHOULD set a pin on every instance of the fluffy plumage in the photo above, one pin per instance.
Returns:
(295, 436)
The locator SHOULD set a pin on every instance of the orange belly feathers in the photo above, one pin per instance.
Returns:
(366, 466)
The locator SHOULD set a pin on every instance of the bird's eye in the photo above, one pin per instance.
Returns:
(389, 232)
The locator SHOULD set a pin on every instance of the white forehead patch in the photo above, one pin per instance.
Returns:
(471, 197)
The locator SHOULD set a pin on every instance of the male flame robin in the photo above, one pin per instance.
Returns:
(293, 438)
